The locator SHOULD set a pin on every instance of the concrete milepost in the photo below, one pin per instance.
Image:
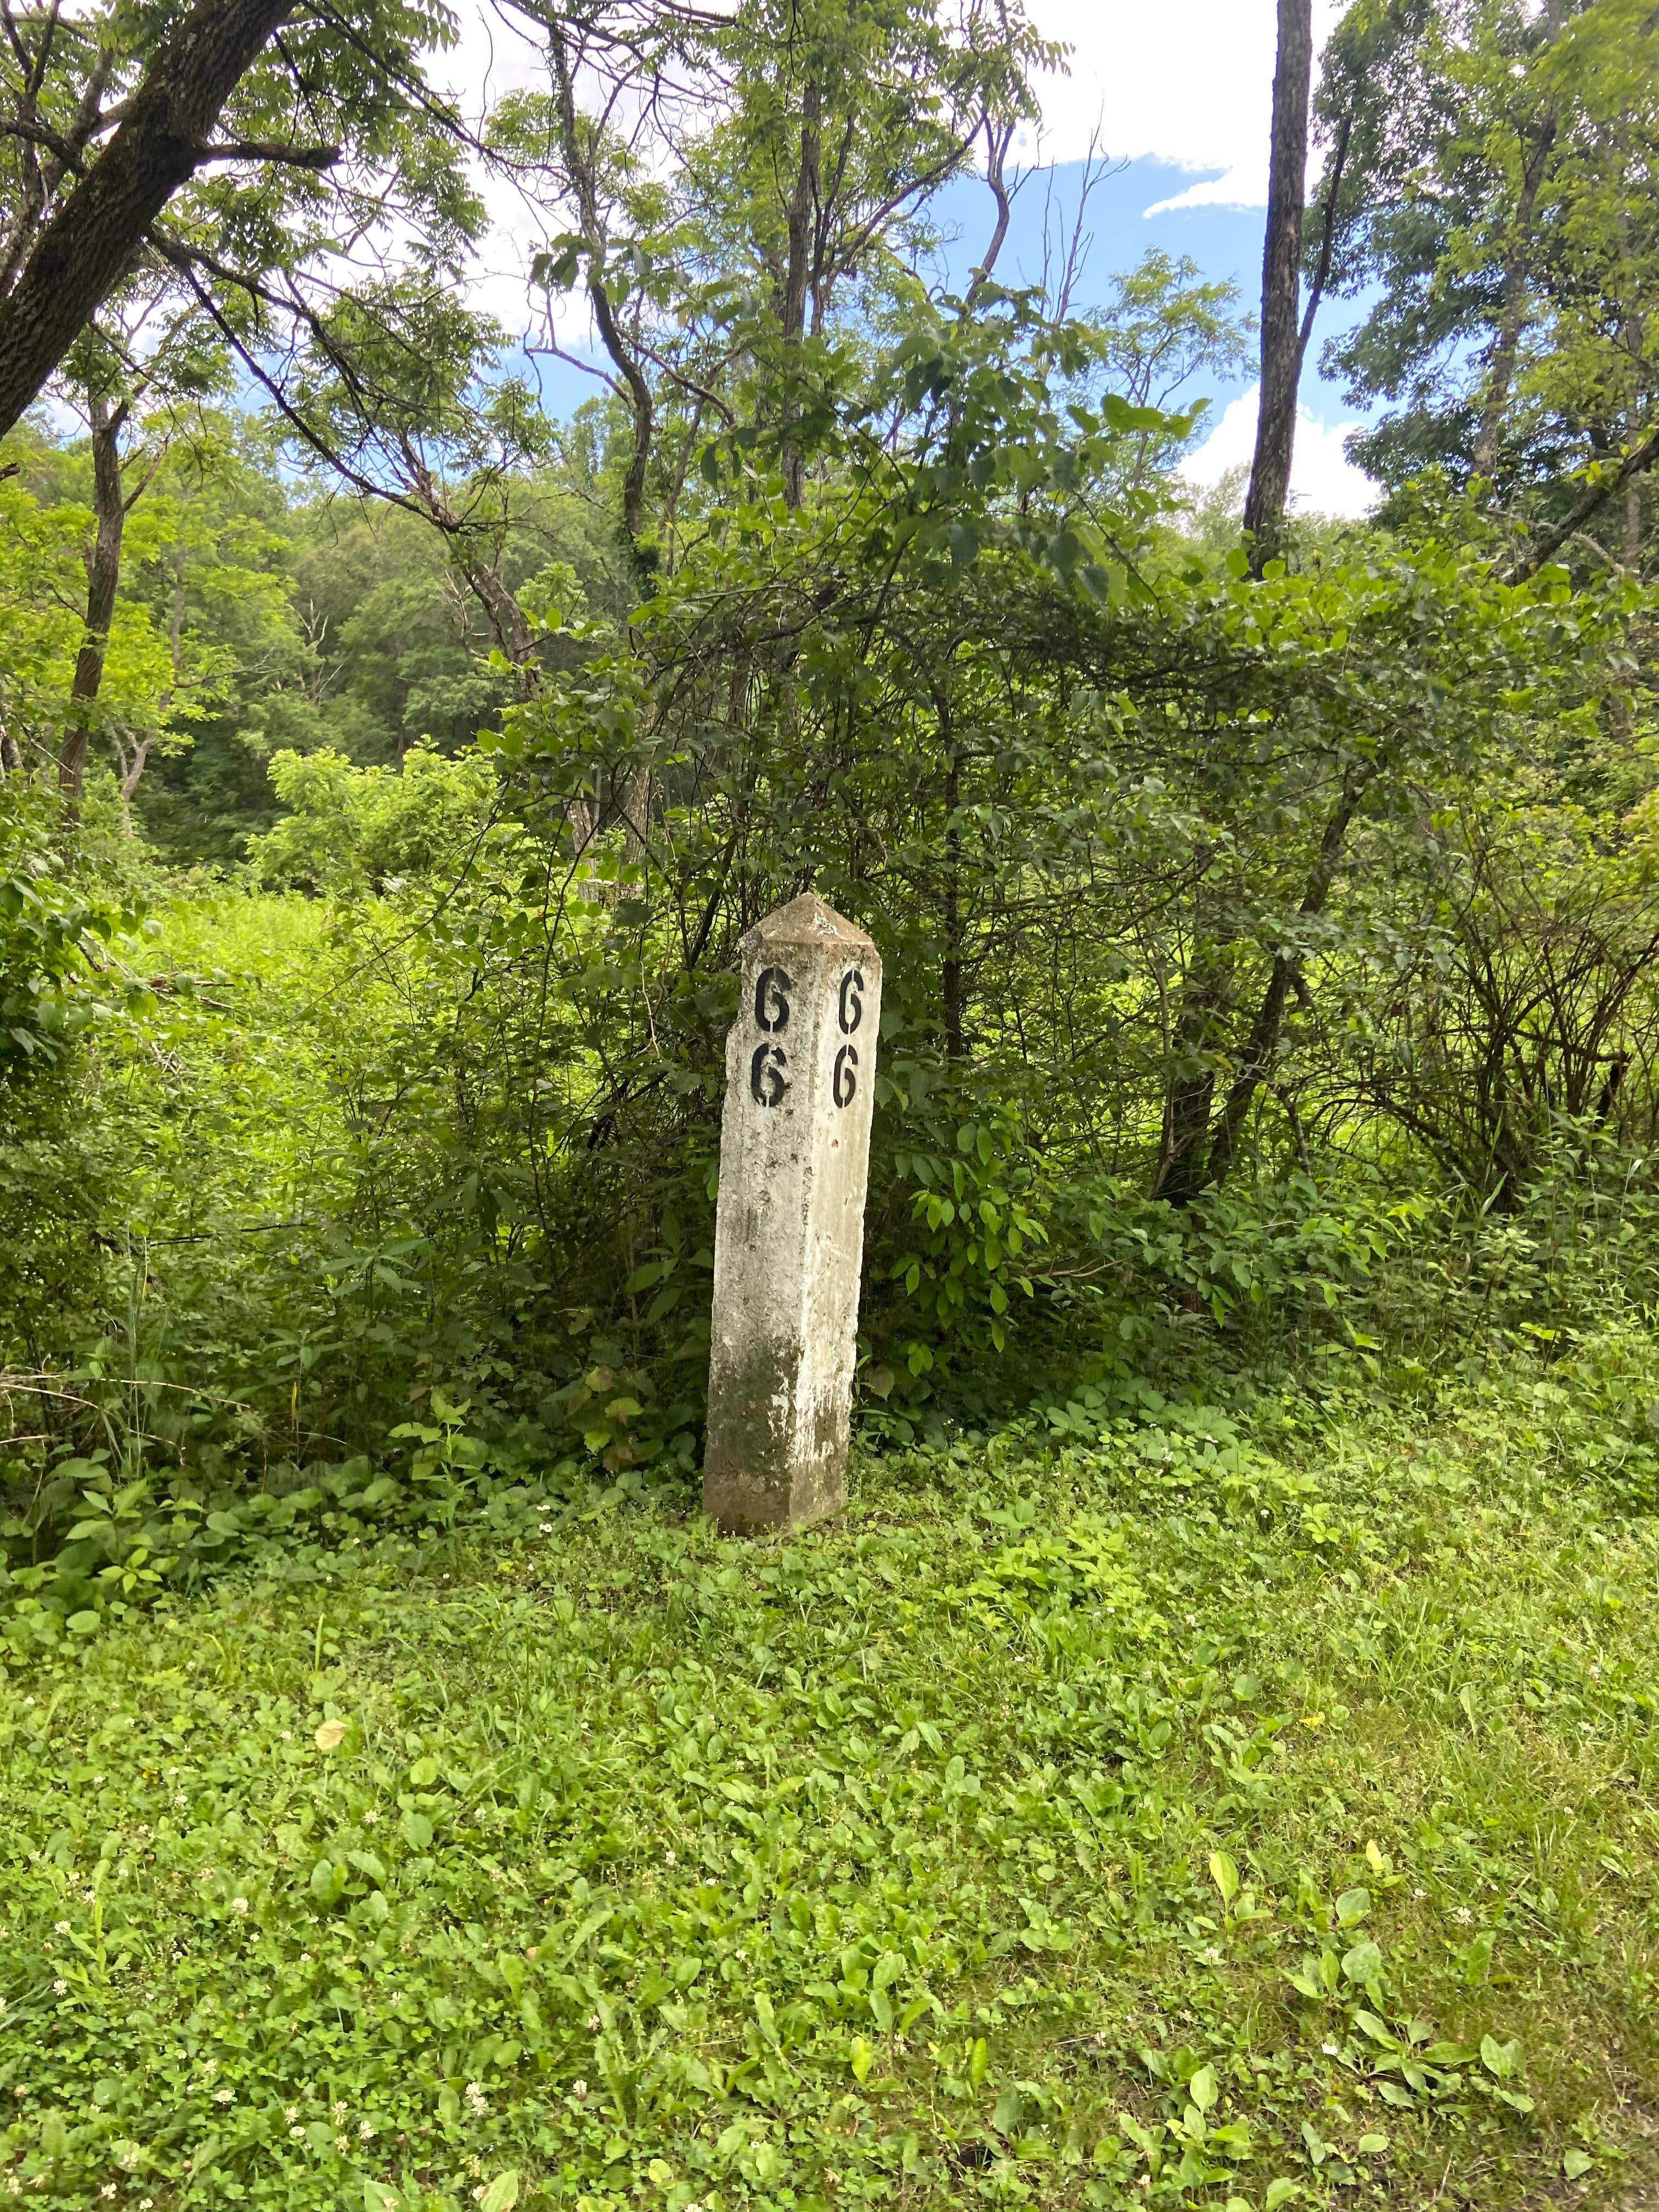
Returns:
(800, 1083)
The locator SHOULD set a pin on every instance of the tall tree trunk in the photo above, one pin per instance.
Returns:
(1281, 285)
(1511, 312)
(1512, 301)
(1263, 1043)
(103, 575)
(577, 148)
(803, 209)
(92, 238)
(1199, 1034)
(952, 975)
(998, 138)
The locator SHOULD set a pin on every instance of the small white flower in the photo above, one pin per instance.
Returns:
(593, 2023)
(475, 2098)
(337, 2112)
(297, 2134)
(13, 2186)
(62, 1926)
(579, 2090)
(1419, 1893)
(370, 1819)
(341, 2144)
(1463, 1914)
(108, 2190)
(669, 1859)
(60, 1985)
(397, 1997)
(290, 2111)
(1330, 2050)
(238, 1905)
(224, 2096)
(365, 2130)
(1212, 1956)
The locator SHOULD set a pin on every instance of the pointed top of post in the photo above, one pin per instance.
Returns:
(808, 921)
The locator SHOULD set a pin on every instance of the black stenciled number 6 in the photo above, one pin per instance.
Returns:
(852, 1005)
(771, 1006)
(845, 1081)
(767, 1080)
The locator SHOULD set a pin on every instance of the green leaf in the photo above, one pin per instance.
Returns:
(1576, 2163)
(503, 2193)
(1202, 2088)
(1352, 1906)
(1363, 1963)
(1280, 2192)
(1223, 1873)
(327, 1882)
(1501, 2059)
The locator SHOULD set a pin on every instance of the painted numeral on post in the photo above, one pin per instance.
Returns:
(852, 1005)
(767, 1080)
(845, 1082)
(771, 1005)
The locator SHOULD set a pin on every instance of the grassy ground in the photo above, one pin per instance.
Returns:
(1167, 1815)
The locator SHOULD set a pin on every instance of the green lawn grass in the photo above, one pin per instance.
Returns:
(1190, 1812)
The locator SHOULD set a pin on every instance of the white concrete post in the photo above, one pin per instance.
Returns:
(800, 1083)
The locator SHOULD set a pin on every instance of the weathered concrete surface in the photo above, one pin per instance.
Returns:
(801, 1078)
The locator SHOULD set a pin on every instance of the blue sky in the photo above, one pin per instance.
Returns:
(1180, 92)
(1129, 212)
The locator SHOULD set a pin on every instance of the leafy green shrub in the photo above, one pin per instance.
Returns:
(350, 830)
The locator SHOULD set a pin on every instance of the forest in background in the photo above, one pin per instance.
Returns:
(1269, 915)
(1209, 1765)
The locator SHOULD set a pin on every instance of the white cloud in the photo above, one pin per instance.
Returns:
(1323, 480)
(1244, 186)
(1188, 79)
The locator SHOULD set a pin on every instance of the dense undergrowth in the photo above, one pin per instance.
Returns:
(268, 1280)
(1219, 1804)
